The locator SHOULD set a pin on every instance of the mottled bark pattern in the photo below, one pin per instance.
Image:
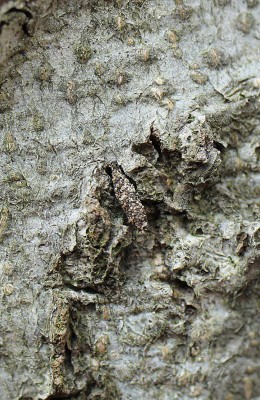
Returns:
(90, 307)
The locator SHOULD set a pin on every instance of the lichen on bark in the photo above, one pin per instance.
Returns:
(106, 104)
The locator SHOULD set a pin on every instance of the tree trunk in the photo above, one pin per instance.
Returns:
(129, 227)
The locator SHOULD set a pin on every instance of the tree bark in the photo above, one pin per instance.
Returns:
(129, 223)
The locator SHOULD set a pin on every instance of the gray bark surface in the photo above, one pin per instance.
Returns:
(129, 206)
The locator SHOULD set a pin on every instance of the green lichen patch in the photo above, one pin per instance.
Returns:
(9, 143)
(4, 221)
(99, 69)
(16, 179)
(83, 53)
(252, 3)
(6, 100)
(177, 51)
(245, 22)
(173, 36)
(45, 72)
(71, 92)
(215, 58)
(183, 12)
(199, 77)
(38, 122)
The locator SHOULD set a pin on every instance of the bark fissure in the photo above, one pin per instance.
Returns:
(129, 205)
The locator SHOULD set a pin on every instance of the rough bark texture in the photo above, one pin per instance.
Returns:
(114, 115)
